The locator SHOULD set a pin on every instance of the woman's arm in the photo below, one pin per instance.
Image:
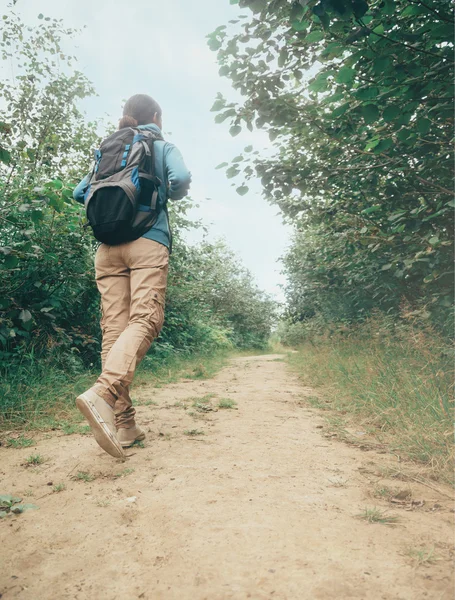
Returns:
(177, 174)
(81, 188)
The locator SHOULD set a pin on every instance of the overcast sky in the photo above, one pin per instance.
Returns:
(159, 48)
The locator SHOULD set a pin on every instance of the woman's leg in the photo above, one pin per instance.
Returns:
(147, 263)
(112, 278)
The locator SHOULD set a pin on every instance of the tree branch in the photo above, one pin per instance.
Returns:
(438, 14)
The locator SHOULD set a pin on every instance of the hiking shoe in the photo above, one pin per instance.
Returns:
(127, 437)
(101, 419)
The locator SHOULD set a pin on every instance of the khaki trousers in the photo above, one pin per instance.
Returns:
(131, 279)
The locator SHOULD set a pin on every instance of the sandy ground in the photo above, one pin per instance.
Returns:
(262, 506)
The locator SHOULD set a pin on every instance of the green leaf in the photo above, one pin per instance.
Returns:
(297, 12)
(391, 112)
(370, 113)
(345, 75)
(314, 36)
(381, 64)
(242, 190)
(340, 110)
(20, 508)
(248, 148)
(257, 5)
(223, 116)
(423, 125)
(299, 25)
(11, 262)
(235, 130)
(8, 500)
(222, 165)
(5, 156)
(214, 44)
(232, 172)
(367, 93)
(359, 7)
(37, 216)
(384, 144)
(371, 209)
(389, 7)
(218, 105)
(372, 144)
(282, 58)
(386, 267)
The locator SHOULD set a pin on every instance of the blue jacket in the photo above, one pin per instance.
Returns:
(175, 179)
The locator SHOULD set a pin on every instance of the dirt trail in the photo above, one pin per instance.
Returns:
(262, 506)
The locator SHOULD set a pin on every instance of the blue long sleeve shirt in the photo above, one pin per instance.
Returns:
(175, 182)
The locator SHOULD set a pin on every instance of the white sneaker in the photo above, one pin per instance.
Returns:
(127, 437)
(101, 419)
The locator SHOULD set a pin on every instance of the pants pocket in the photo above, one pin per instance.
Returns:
(155, 305)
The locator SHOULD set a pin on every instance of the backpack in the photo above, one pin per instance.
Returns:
(121, 198)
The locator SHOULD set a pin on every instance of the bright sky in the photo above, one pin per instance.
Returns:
(159, 48)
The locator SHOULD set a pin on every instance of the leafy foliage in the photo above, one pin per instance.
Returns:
(47, 294)
(49, 304)
(356, 97)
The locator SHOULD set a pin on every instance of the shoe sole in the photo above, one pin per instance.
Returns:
(139, 438)
(103, 435)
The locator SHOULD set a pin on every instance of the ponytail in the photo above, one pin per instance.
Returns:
(127, 121)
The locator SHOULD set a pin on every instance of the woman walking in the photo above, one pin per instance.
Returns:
(131, 276)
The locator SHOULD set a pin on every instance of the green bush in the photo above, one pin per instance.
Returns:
(49, 304)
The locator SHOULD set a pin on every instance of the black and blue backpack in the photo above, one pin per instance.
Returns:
(121, 200)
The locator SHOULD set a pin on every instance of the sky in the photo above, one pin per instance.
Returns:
(159, 48)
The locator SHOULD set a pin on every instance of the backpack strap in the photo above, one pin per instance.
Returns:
(149, 149)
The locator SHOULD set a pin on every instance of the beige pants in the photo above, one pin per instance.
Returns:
(131, 279)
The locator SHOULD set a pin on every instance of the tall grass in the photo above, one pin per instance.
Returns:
(393, 381)
(38, 395)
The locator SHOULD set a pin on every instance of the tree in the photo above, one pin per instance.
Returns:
(363, 160)
(47, 294)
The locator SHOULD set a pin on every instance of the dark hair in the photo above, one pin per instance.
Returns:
(139, 110)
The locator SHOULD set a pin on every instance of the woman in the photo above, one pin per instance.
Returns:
(131, 279)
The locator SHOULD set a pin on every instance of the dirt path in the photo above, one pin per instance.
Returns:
(261, 506)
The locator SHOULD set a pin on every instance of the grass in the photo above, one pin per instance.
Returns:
(203, 399)
(34, 460)
(422, 556)
(386, 493)
(59, 487)
(72, 428)
(38, 396)
(193, 432)
(227, 403)
(158, 371)
(375, 515)
(84, 476)
(123, 473)
(394, 386)
(19, 442)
